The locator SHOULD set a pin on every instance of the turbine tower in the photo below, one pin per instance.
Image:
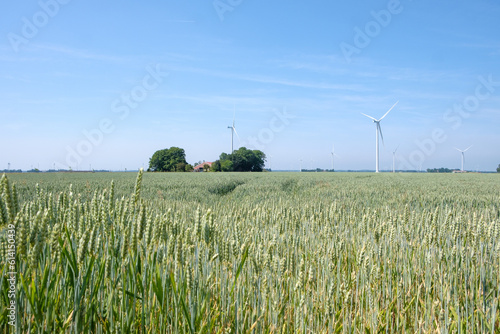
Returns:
(463, 155)
(394, 160)
(233, 131)
(379, 133)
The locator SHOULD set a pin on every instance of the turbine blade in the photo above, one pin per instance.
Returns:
(389, 111)
(234, 113)
(468, 148)
(234, 129)
(380, 131)
(396, 148)
(459, 150)
(368, 116)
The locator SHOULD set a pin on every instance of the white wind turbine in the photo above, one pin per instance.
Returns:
(379, 133)
(233, 131)
(463, 155)
(394, 160)
(333, 158)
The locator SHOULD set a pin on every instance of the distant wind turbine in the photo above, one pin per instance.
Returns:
(463, 155)
(333, 158)
(233, 131)
(394, 160)
(379, 133)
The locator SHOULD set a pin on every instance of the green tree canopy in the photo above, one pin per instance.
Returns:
(216, 166)
(242, 160)
(498, 169)
(226, 165)
(168, 160)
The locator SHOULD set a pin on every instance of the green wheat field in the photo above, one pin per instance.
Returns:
(252, 252)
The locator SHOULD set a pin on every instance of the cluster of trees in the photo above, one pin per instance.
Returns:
(439, 170)
(498, 169)
(174, 160)
(241, 160)
(169, 160)
(317, 170)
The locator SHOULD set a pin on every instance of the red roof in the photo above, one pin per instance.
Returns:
(203, 164)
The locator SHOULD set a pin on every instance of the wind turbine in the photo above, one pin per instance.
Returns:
(333, 158)
(463, 155)
(394, 160)
(379, 132)
(233, 131)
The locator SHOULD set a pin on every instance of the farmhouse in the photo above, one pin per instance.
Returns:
(200, 167)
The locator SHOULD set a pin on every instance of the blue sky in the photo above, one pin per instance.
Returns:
(106, 84)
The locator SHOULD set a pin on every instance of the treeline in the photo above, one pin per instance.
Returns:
(439, 170)
(174, 160)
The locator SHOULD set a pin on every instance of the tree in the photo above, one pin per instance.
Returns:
(245, 160)
(216, 166)
(224, 156)
(180, 167)
(498, 169)
(168, 160)
(241, 160)
(226, 166)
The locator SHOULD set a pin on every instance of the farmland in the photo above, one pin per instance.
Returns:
(253, 252)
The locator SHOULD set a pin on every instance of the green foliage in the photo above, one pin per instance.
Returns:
(216, 166)
(226, 166)
(245, 160)
(168, 160)
(180, 167)
(242, 160)
(498, 169)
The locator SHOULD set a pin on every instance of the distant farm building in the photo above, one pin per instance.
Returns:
(200, 167)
